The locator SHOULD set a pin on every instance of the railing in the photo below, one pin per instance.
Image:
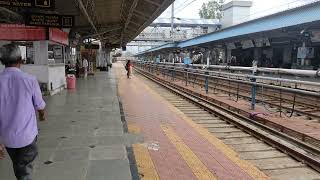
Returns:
(282, 90)
(261, 70)
(235, 77)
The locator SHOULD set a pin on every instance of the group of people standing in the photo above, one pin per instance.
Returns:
(85, 66)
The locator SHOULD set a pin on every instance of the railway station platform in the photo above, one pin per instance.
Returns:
(83, 137)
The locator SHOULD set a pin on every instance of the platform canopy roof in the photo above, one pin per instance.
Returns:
(116, 22)
(306, 17)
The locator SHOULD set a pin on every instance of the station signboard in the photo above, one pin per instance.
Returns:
(231, 46)
(42, 4)
(49, 20)
(247, 44)
(92, 46)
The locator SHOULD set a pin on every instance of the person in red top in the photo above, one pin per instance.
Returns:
(129, 68)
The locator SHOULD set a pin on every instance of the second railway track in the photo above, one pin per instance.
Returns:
(288, 103)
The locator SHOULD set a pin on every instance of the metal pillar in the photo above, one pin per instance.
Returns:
(172, 20)
(207, 82)
(254, 86)
(172, 74)
(253, 93)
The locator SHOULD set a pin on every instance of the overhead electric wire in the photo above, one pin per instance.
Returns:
(186, 6)
(180, 6)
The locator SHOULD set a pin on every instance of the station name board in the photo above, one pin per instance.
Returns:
(44, 4)
(50, 20)
(92, 46)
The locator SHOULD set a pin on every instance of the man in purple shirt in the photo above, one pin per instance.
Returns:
(20, 98)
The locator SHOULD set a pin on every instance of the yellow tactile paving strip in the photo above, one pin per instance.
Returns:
(146, 168)
(195, 164)
(249, 168)
(246, 166)
(133, 128)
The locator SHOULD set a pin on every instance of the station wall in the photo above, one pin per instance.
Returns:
(40, 72)
(53, 76)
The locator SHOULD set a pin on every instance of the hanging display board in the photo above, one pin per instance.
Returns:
(262, 42)
(231, 46)
(42, 4)
(49, 20)
(92, 46)
(247, 44)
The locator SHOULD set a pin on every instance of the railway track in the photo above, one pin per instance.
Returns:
(276, 154)
(274, 100)
(305, 107)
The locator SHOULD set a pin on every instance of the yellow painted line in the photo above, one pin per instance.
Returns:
(195, 164)
(246, 166)
(146, 168)
(133, 128)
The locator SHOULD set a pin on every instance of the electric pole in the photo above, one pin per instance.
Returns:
(172, 21)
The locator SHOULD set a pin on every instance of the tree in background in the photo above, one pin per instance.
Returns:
(211, 9)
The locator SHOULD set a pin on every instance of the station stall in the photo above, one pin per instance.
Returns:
(43, 53)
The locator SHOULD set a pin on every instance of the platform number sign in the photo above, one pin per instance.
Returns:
(43, 3)
(67, 21)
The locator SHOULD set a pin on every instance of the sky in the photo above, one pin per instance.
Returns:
(260, 7)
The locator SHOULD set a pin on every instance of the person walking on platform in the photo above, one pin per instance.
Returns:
(129, 68)
(20, 98)
(85, 65)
